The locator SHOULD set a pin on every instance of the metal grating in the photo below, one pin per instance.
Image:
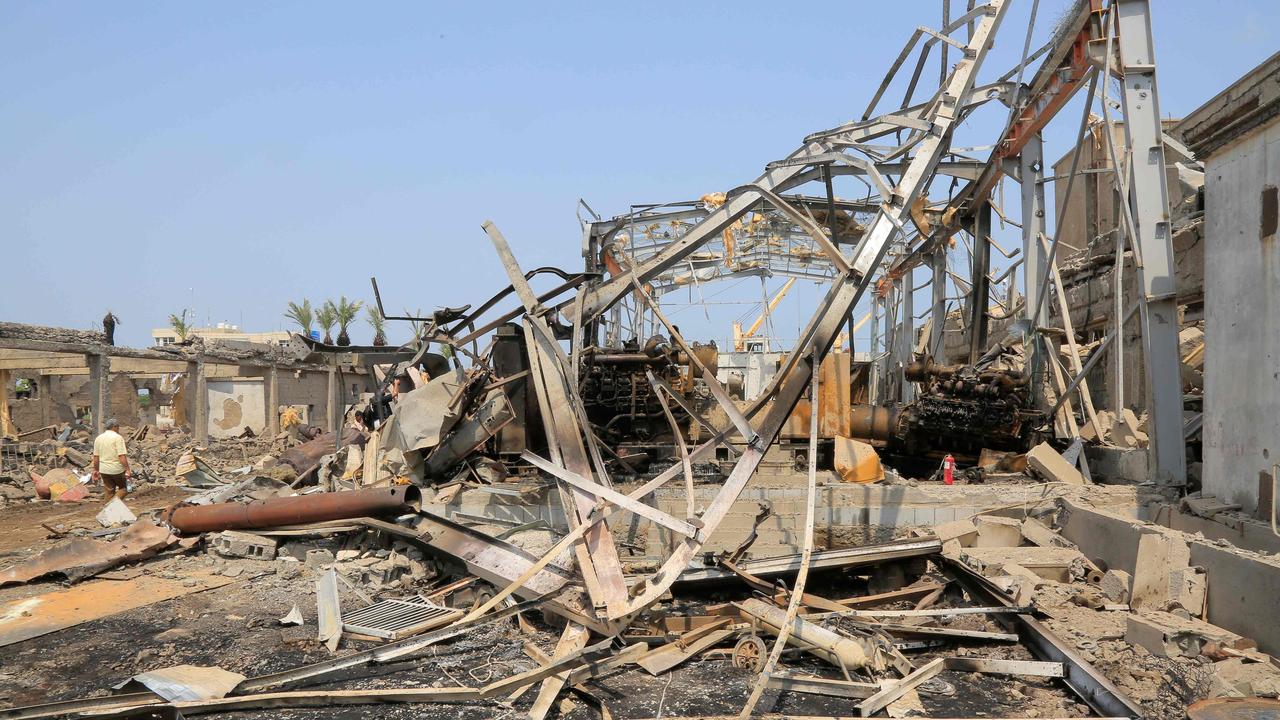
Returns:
(398, 618)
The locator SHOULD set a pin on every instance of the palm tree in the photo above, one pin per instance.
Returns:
(180, 326)
(302, 314)
(419, 328)
(347, 311)
(379, 325)
(326, 318)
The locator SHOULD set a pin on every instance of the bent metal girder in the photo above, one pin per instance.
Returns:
(843, 296)
(928, 128)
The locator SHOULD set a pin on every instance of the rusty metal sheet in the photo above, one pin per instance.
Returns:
(40, 614)
(835, 392)
(82, 557)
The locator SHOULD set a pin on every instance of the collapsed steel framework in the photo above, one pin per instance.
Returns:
(887, 247)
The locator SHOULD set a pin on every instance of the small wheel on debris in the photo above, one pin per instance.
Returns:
(749, 653)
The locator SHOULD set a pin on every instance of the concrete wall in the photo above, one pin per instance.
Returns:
(1094, 208)
(847, 514)
(309, 389)
(57, 396)
(1242, 320)
(235, 405)
(1242, 586)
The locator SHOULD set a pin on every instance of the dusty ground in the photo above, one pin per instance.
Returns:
(21, 531)
(236, 627)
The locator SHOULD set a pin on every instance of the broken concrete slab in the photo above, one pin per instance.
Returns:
(1052, 467)
(1241, 591)
(1249, 679)
(1050, 563)
(998, 531)
(1159, 555)
(1115, 586)
(1206, 506)
(1187, 590)
(1100, 431)
(963, 531)
(1037, 533)
(1127, 432)
(1167, 635)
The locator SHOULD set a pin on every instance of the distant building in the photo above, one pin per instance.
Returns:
(221, 331)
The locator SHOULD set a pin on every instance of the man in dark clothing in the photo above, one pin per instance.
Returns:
(109, 323)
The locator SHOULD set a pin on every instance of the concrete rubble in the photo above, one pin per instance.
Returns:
(540, 510)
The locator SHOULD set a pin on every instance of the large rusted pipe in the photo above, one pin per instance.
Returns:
(307, 455)
(872, 422)
(297, 510)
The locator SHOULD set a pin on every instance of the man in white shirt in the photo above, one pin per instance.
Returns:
(111, 462)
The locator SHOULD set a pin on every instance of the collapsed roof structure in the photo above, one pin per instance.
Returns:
(591, 390)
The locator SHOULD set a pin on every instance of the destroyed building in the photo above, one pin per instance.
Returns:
(1054, 497)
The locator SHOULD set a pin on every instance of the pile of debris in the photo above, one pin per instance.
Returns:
(56, 462)
(1000, 609)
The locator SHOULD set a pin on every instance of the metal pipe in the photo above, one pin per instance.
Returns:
(296, 510)
(873, 422)
(845, 652)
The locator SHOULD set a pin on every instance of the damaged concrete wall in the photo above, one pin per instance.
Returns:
(1242, 328)
(1242, 586)
(1094, 210)
(235, 405)
(848, 514)
(58, 396)
(311, 388)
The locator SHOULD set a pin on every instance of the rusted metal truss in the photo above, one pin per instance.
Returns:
(898, 154)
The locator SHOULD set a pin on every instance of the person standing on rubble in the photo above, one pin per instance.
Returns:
(111, 462)
(109, 322)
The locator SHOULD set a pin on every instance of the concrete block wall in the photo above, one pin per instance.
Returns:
(848, 515)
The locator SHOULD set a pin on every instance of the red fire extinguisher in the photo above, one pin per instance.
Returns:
(948, 469)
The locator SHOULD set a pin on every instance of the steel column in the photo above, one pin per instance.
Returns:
(272, 378)
(980, 290)
(1035, 259)
(906, 338)
(888, 382)
(1149, 198)
(874, 382)
(198, 400)
(938, 329)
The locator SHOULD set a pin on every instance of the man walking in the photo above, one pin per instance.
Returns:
(111, 462)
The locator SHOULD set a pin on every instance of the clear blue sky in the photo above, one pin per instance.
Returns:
(234, 156)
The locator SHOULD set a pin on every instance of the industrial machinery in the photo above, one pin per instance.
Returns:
(961, 410)
(618, 397)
